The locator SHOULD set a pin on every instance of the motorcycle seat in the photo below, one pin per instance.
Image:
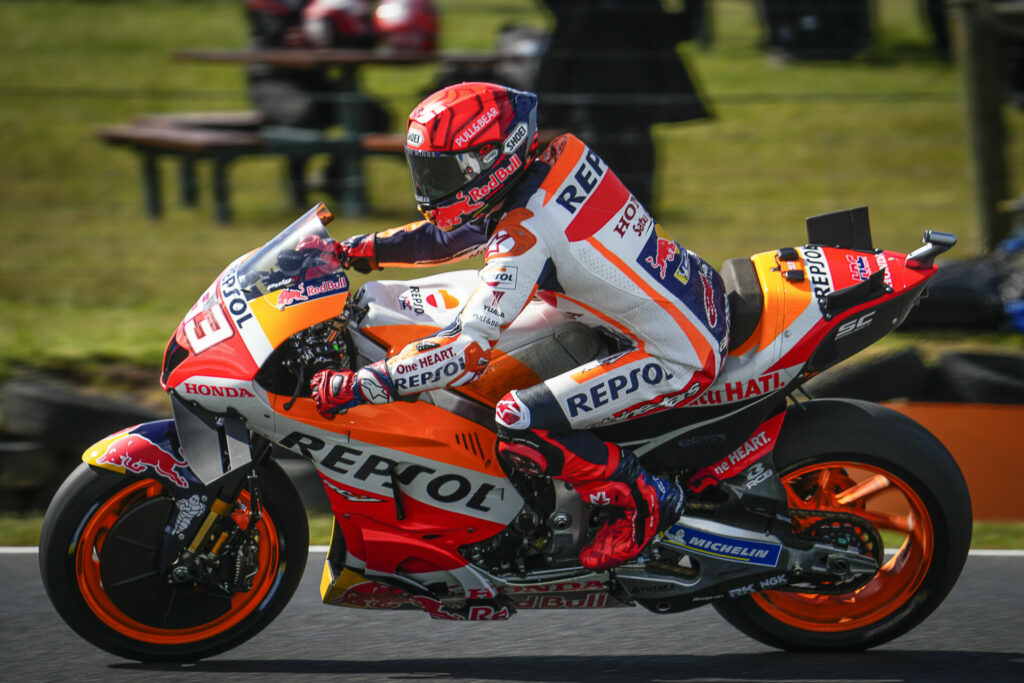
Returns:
(746, 301)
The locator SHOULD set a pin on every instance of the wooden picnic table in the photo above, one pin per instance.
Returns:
(221, 137)
(351, 110)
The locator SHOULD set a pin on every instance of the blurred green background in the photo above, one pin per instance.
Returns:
(86, 277)
(88, 282)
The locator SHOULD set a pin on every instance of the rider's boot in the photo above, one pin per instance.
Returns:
(650, 505)
(603, 474)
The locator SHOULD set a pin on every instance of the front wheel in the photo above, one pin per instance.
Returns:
(100, 559)
(873, 464)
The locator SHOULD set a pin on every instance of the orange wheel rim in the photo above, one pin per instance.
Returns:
(892, 506)
(87, 569)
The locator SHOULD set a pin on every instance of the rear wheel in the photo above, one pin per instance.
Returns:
(886, 473)
(100, 555)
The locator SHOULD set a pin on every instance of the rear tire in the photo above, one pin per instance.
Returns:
(826, 449)
(143, 616)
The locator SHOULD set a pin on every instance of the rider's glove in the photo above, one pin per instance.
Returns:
(337, 391)
(326, 250)
(356, 252)
(334, 392)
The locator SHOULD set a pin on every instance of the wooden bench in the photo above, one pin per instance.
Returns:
(189, 145)
(222, 137)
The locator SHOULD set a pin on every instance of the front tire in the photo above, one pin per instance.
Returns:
(103, 526)
(863, 459)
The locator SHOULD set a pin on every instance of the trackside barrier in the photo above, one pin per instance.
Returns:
(985, 441)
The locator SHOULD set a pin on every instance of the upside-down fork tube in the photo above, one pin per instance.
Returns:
(218, 509)
(200, 459)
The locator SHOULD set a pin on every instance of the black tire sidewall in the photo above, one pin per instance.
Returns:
(77, 499)
(856, 431)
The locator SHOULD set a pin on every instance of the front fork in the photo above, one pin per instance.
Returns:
(223, 552)
(197, 456)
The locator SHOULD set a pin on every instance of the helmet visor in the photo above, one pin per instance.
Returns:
(438, 174)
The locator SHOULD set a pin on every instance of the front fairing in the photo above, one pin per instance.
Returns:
(257, 303)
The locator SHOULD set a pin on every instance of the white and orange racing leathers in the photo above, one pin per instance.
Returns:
(574, 236)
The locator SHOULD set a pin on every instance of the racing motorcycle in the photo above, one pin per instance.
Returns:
(810, 525)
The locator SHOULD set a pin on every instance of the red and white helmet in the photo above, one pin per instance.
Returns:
(468, 146)
(406, 24)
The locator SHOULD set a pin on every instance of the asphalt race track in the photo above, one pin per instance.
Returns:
(977, 635)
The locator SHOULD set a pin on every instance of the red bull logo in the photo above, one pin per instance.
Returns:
(326, 288)
(665, 251)
(308, 291)
(454, 214)
(136, 452)
(498, 178)
(290, 297)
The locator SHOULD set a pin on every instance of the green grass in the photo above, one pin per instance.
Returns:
(1001, 536)
(86, 279)
(20, 530)
(85, 276)
(23, 530)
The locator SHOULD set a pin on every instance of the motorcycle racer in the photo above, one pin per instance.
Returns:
(558, 225)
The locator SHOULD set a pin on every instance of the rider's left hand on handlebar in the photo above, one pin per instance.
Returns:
(359, 253)
(356, 252)
(334, 392)
(327, 250)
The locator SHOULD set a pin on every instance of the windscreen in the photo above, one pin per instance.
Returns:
(277, 264)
